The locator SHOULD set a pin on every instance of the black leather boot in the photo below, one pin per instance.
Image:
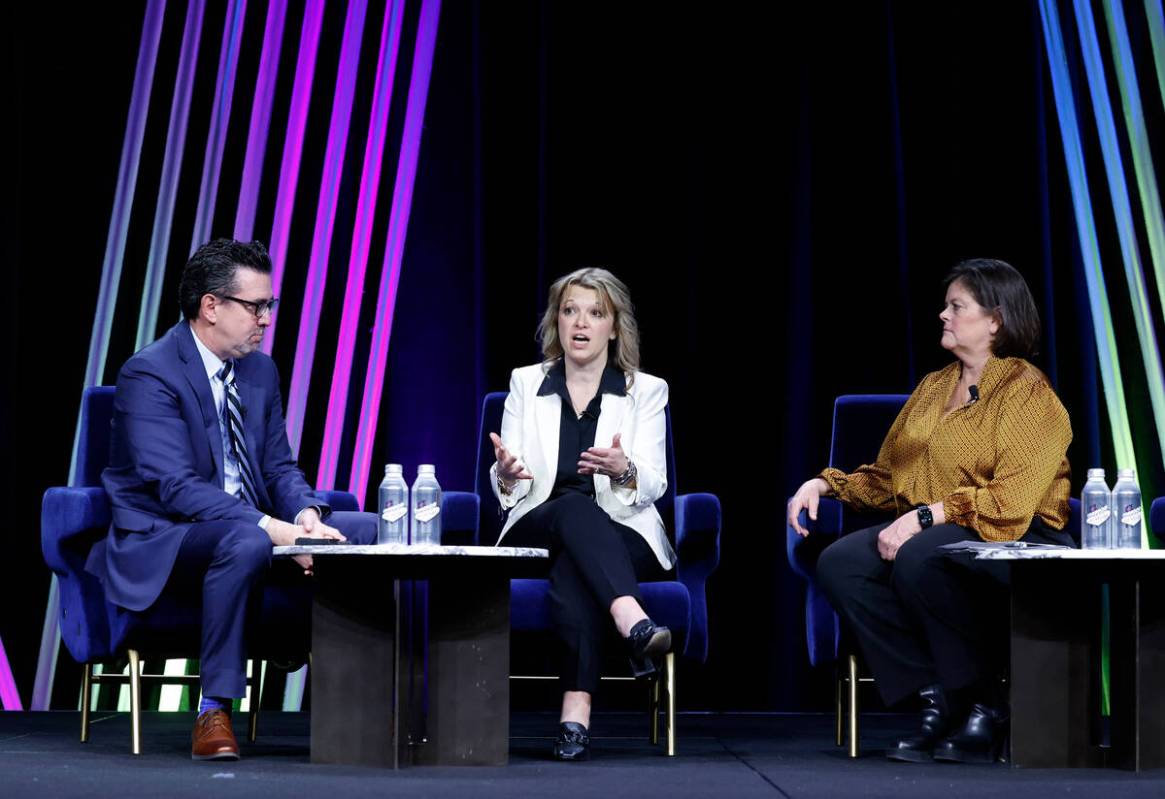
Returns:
(936, 723)
(981, 738)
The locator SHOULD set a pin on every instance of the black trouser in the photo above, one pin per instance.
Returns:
(593, 561)
(927, 616)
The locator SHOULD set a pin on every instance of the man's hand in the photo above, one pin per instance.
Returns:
(310, 520)
(283, 534)
(898, 533)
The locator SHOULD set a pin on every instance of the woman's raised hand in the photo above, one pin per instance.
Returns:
(611, 461)
(510, 468)
(806, 498)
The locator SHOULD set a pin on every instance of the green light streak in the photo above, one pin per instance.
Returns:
(1114, 394)
(1156, 20)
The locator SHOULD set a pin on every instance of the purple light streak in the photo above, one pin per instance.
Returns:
(9, 696)
(171, 170)
(402, 200)
(260, 120)
(127, 177)
(220, 115)
(358, 260)
(305, 69)
(317, 271)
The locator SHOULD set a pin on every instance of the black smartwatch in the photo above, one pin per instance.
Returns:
(925, 517)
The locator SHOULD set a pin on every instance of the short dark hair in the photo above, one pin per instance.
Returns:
(1001, 290)
(211, 270)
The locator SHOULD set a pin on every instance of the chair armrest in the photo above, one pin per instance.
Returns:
(802, 552)
(698, 522)
(339, 500)
(697, 535)
(460, 510)
(71, 520)
(1156, 517)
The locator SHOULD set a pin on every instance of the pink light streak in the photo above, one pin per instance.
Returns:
(260, 120)
(305, 69)
(358, 260)
(402, 201)
(317, 269)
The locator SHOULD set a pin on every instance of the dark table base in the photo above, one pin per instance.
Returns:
(1056, 622)
(372, 651)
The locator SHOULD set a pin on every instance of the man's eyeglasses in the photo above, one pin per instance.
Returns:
(256, 307)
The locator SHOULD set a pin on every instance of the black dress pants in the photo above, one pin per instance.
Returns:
(927, 617)
(593, 561)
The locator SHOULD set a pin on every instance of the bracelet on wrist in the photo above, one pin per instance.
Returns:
(503, 488)
(628, 476)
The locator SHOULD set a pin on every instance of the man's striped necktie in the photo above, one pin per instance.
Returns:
(233, 413)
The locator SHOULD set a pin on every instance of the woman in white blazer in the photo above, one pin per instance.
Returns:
(580, 463)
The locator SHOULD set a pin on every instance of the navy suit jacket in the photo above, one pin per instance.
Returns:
(166, 462)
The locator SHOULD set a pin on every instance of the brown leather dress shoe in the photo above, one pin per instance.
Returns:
(213, 737)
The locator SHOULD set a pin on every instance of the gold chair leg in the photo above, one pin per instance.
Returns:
(839, 710)
(86, 693)
(135, 702)
(256, 695)
(853, 705)
(653, 704)
(670, 671)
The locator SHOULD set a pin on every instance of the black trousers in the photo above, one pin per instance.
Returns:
(927, 617)
(593, 561)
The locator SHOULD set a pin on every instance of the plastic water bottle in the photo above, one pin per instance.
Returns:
(394, 507)
(1096, 507)
(1126, 501)
(426, 520)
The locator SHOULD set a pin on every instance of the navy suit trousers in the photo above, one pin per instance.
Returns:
(228, 562)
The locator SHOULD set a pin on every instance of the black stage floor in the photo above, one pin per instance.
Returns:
(721, 755)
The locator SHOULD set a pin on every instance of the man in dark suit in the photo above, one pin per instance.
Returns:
(201, 478)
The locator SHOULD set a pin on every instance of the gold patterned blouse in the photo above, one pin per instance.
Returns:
(995, 464)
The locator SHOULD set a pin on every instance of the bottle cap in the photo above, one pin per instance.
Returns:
(1096, 473)
(1129, 473)
(426, 468)
(393, 468)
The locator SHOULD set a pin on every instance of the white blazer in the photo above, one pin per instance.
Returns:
(530, 427)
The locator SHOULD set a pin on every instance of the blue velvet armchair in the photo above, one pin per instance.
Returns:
(75, 519)
(860, 424)
(680, 603)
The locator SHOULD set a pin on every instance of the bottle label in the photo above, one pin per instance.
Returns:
(1132, 516)
(426, 513)
(394, 512)
(1098, 516)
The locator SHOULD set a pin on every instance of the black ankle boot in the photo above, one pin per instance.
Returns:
(574, 742)
(646, 642)
(936, 723)
(981, 738)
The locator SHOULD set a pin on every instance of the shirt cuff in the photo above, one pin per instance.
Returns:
(263, 522)
(316, 508)
(836, 479)
(959, 508)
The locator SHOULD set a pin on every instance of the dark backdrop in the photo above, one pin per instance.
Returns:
(782, 189)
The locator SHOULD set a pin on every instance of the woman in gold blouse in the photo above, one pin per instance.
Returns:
(977, 453)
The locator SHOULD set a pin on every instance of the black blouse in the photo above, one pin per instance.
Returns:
(576, 434)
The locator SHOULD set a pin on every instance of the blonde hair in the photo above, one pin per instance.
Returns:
(615, 299)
